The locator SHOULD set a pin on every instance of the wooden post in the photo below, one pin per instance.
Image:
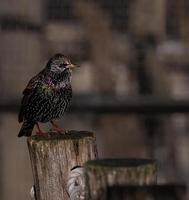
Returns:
(108, 172)
(52, 159)
(154, 192)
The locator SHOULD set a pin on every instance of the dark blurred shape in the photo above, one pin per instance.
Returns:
(60, 10)
(120, 105)
(154, 192)
(18, 23)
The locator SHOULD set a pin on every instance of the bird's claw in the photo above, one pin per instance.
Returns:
(43, 134)
(58, 130)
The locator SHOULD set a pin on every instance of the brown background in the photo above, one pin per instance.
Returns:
(126, 49)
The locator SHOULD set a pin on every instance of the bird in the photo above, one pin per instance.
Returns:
(47, 96)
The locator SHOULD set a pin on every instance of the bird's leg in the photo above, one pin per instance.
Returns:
(40, 132)
(57, 128)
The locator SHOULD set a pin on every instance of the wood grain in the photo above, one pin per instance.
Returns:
(54, 156)
(101, 174)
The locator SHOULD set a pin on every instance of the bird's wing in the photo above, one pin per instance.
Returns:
(31, 85)
(27, 92)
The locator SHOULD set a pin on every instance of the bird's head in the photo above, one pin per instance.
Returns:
(60, 64)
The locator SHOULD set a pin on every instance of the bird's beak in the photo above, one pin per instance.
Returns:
(71, 66)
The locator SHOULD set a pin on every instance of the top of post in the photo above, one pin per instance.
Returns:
(70, 135)
(132, 162)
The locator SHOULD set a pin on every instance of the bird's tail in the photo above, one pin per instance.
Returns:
(26, 129)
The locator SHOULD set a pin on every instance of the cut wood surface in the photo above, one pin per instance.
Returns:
(101, 174)
(152, 192)
(53, 157)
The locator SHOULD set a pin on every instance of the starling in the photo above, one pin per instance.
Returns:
(47, 95)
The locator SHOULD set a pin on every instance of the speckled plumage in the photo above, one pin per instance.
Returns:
(47, 95)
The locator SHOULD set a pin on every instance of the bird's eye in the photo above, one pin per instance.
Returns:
(63, 65)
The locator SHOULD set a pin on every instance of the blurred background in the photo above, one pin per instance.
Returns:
(131, 91)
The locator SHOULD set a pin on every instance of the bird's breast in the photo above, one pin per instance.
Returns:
(52, 88)
(48, 103)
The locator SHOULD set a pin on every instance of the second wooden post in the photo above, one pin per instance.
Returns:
(101, 174)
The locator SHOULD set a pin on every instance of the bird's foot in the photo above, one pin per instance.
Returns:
(40, 132)
(43, 134)
(59, 130)
(56, 128)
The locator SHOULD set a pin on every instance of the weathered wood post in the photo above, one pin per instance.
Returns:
(101, 174)
(52, 159)
(152, 192)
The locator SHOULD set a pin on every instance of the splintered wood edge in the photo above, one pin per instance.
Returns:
(70, 135)
(120, 163)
